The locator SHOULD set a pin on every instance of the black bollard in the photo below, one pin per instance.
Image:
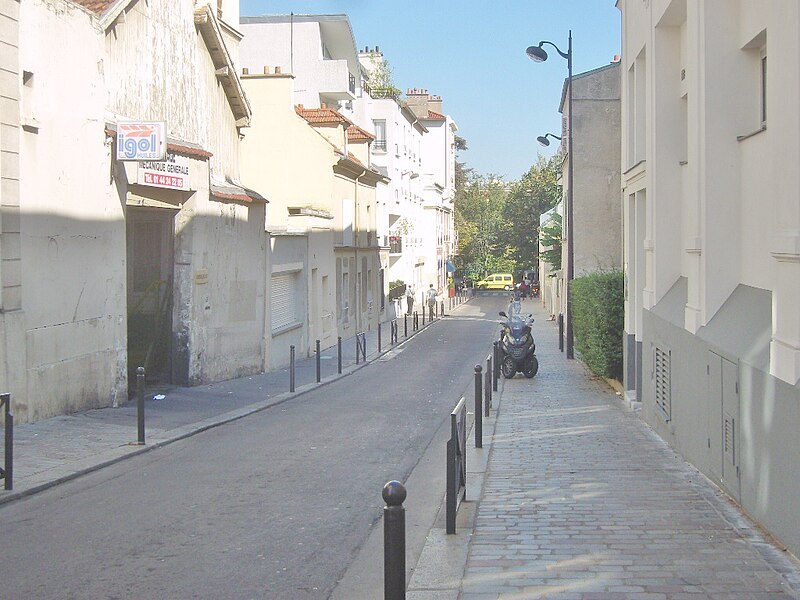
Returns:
(291, 368)
(379, 338)
(339, 354)
(8, 470)
(394, 541)
(405, 325)
(358, 348)
(487, 386)
(140, 404)
(423, 317)
(478, 407)
(442, 306)
(496, 362)
(319, 364)
(561, 331)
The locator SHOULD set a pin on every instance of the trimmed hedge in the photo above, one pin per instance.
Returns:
(598, 313)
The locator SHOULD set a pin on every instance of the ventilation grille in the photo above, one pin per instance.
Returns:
(662, 377)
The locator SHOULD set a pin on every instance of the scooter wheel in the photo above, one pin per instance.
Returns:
(531, 368)
(507, 367)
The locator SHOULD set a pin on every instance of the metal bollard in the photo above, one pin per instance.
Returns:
(319, 365)
(496, 370)
(423, 317)
(339, 354)
(561, 331)
(8, 470)
(291, 368)
(442, 313)
(358, 348)
(379, 338)
(487, 386)
(405, 325)
(415, 323)
(394, 541)
(478, 407)
(140, 404)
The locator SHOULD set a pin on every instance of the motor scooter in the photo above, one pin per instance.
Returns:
(517, 346)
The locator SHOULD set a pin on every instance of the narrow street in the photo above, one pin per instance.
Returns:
(271, 506)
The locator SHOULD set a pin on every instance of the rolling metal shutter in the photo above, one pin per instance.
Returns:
(283, 300)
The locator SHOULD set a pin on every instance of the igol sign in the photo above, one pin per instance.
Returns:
(141, 140)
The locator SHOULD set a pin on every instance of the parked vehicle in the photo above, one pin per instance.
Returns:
(517, 346)
(496, 281)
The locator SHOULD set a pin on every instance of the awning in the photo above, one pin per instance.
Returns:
(238, 193)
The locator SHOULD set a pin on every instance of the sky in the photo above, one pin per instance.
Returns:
(472, 54)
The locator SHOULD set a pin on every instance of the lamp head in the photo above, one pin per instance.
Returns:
(542, 139)
(536, 53)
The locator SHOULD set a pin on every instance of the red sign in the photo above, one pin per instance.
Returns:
(169, 181)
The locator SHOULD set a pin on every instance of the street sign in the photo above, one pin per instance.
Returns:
(142, 140)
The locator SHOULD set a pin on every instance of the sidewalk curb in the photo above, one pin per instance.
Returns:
(119, 453)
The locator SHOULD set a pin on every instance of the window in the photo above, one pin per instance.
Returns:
(380, 136)
(283, 301)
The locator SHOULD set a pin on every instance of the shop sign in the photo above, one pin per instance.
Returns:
(141, 140)
(172, 173)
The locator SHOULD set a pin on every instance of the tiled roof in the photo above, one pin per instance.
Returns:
(96, 6)
(321, 116)
(435, 115)
(356, 134)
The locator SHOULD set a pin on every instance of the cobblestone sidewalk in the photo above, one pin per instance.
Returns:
(583, 501)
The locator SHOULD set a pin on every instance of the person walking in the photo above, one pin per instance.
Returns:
(409, 299)
(431, 298)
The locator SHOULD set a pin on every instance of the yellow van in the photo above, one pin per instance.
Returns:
(496, 281)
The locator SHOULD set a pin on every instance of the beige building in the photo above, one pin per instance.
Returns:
(126, 263)
(12, 325)
(710, 149)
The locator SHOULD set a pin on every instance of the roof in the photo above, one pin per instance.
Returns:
(435, 115)
(356, 134)
(228, 190)
(96, 6)
(322, 116)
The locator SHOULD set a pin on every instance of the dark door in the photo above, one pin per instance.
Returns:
(150, 248)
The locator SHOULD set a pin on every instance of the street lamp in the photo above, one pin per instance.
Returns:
(538, 54)
(542, 139)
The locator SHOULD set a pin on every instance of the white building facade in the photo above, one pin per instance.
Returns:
(710, 180)
(124, 264)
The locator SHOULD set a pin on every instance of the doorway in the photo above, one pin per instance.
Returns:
(150, 249)
(723, 422)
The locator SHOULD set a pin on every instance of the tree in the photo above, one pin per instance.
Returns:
(380, 81)
(479, 221)
(537, 192)
(551, 240)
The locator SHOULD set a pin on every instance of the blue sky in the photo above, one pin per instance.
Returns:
(472, 53)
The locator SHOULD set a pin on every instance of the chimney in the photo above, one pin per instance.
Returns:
(435, 104)
(417, 102)
(277, 70)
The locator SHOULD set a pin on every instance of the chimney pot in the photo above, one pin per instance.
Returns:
(377, 49)
(245, 71)
(277, 70)
(266, 70)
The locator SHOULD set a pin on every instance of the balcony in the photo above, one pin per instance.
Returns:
(335, 80)
(395, 244)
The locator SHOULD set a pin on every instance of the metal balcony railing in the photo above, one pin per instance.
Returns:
(395, 244)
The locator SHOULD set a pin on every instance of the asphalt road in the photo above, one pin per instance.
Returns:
(274, 505)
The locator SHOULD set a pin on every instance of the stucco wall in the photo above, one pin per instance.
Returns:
(73, 232)
(597, 228)
(12, 327)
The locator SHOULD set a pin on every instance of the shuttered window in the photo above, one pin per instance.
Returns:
(284, 300)
(661, 374)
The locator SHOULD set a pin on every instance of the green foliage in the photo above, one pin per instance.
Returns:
(598, 320)
(396, 283)
(380, 80)
(497, 223)
(551, 239)
(536, 193)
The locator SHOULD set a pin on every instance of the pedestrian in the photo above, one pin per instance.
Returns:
(431, 297)
(409, 299)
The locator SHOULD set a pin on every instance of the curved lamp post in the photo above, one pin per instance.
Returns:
(538, 54)
(542, 139)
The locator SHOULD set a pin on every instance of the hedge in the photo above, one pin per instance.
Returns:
(598, 314)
